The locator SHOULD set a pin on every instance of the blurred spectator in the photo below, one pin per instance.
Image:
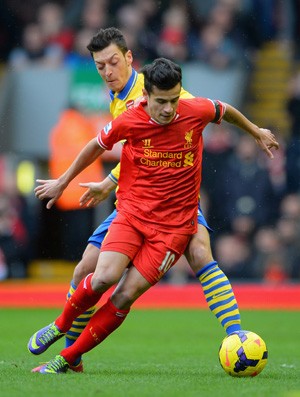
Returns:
(72, 12)
(293, 143)
(13, 239)
(70, 226)
(148, 37)
(235, 255)
(214, 48)
(276, 269)
(222, 13)
(213, 43)
(142, 41)
(288, 231)
(290, 207)
(174, 34)
(269, 261)
(151, 10)
(3, 265)
(277, 251)
(94, 15)
(80, 56)
(131, 21)
(132, 18)
(50, 17)
(219, 141)
(277, 169)
(35, 50)
(246, 195)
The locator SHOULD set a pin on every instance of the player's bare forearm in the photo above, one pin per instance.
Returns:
(86, 157)
(96, 192)
(235, 117)
(52, 189)
(263, 137)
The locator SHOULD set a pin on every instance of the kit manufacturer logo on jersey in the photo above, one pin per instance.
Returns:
(147, 143)
(188, 138)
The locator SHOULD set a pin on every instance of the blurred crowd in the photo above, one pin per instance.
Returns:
(251, 202)
(16, 227)
(219, 32)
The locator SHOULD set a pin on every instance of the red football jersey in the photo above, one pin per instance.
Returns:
(161, 164)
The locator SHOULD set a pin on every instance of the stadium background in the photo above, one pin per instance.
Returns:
(244, 52)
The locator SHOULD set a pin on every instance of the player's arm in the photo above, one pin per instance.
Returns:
(263, 137)
(53, 188)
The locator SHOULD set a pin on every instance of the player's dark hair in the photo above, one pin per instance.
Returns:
(161, 73)
(104, 37)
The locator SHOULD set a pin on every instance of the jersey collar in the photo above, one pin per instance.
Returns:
(126, 90)
(152, 121)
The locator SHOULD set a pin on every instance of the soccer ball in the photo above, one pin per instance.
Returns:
(243, 353)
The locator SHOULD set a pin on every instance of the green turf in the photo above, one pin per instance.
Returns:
(155, 353)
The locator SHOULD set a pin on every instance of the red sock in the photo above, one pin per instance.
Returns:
(104, 322)
(82, 299)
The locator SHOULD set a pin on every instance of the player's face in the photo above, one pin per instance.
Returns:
(162, 104)
(113, 66)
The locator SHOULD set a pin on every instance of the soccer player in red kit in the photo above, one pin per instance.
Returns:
(160, 177)
(157, 203)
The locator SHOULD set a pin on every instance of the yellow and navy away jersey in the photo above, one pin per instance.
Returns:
(121, 101)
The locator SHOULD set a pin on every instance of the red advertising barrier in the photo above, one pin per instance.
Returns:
(162, 296)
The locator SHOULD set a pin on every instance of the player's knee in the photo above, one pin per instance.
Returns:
(101, 283)
(78, 274)
(124, 298)
(198, 254)
(104, 277)
(81, 270)
(86, 266)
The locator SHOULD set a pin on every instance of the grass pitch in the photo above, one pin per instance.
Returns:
(170, 353)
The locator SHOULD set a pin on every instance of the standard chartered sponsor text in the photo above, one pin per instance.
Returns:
(166, 159)
(162, 155)
(160, 163)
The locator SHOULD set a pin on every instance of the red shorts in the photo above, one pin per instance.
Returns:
(152, 252)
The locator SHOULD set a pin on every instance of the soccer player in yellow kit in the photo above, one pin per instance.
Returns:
(113, 61)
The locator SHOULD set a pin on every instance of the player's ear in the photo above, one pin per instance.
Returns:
(129, 57)
(145, 93)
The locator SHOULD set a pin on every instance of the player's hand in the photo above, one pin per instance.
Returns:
(267, 141)
(49, 189)
(96, 192)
